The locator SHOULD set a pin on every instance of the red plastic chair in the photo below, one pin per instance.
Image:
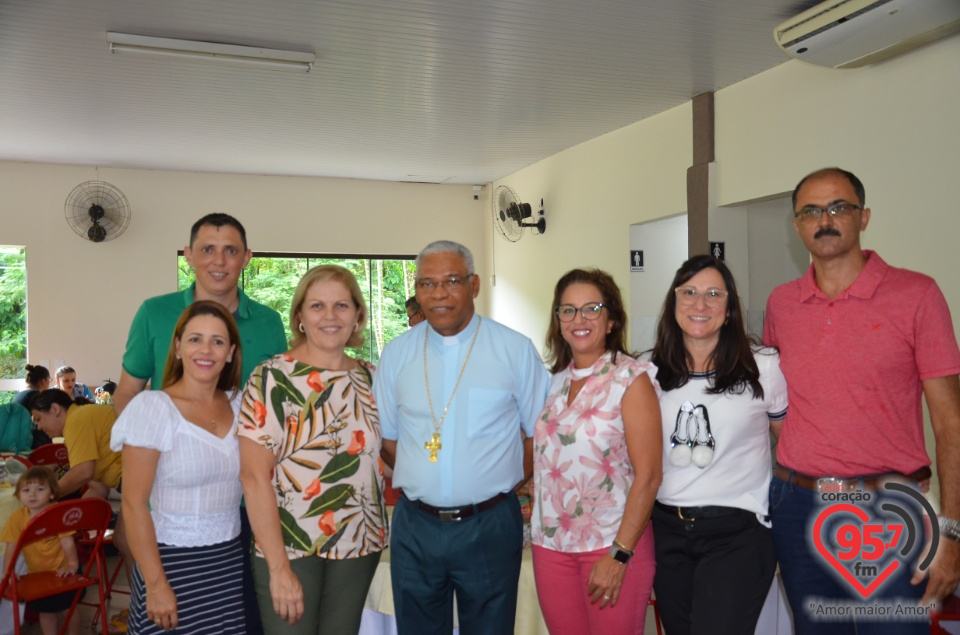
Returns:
(50, 454)
(656, 615)
(949, 612)
(84, 515)
(87, 543)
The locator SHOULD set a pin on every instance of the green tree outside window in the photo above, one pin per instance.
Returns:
(386, 284)
(13, 316)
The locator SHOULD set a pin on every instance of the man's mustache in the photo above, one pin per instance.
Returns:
(826, 231)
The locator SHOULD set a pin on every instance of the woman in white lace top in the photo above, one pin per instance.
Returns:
(181, 491)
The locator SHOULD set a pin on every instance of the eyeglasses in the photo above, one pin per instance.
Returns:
(687, 296)
(840, 210)
(453, 282)
(589, 311)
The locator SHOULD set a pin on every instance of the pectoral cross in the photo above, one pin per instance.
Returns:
(434, 446)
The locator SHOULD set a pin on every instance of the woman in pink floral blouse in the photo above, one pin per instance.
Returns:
(310, 466)
(597, 466)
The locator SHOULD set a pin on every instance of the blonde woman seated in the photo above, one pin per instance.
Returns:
(67, 382)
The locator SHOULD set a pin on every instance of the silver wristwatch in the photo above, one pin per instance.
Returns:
(949, 528)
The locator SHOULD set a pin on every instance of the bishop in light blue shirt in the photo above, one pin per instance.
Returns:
(456, 396)
(502, 391)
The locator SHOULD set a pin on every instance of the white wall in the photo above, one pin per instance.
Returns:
(664, 246)
(82, 296)
(729, 226)
(895, 124)
(593, 193)
(776, 255)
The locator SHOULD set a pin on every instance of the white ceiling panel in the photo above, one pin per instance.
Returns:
(434, 90)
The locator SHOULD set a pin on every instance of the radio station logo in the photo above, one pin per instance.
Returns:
(866, 549)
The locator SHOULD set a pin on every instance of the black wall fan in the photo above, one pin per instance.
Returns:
(97, 211)
(510, 215)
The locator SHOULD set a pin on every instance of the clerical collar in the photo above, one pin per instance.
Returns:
(463, 336)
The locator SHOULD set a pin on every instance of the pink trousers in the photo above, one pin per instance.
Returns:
(562, 589)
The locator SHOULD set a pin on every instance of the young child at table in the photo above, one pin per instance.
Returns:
(36, 490)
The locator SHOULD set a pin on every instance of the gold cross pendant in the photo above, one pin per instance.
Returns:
(434, 446)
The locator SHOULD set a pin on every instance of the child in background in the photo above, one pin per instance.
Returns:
(36, 490)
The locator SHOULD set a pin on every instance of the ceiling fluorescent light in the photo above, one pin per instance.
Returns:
(211, 51)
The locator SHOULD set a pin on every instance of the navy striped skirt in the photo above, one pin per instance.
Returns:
(208, 583)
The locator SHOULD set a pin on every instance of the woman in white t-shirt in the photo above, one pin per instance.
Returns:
(721, 396)
(181, 488)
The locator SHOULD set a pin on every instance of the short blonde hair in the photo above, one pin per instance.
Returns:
(323, 273)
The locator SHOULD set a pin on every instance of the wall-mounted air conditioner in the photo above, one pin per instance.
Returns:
(848, 33)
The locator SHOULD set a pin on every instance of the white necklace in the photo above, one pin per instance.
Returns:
(582, 373)
(434, 445)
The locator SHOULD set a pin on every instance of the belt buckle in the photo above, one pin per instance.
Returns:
(682, 517)
(449, 514)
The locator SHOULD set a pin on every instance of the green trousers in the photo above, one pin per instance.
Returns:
(334, 592)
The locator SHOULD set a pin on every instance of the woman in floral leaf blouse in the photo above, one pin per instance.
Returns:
(597, 467)
(309, 463)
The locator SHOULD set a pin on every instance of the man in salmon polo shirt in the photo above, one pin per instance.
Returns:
(860, 342)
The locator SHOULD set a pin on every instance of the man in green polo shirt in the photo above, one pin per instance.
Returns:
(217, 253)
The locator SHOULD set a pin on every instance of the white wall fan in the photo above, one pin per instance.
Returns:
(510, 215)
(97, 211)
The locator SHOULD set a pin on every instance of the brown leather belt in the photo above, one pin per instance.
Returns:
(461, 512)
(849, 484)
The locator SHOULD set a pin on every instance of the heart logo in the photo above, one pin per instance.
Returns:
(865, 591)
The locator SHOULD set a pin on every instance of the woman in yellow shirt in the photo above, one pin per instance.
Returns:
(86, 433)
